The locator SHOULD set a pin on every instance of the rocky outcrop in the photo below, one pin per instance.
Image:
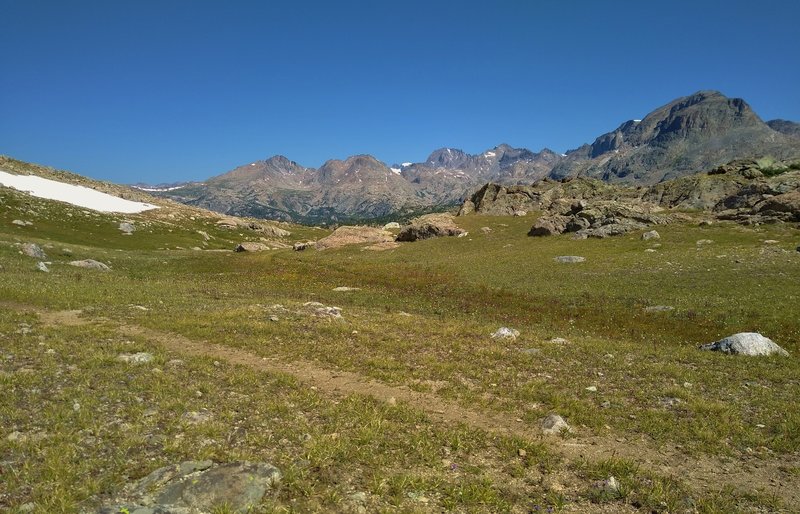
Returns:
(600, 219)
(431, 225)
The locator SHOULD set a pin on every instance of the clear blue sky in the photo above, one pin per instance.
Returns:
(161, 91)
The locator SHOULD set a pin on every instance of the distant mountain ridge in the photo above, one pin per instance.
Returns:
(686, 136)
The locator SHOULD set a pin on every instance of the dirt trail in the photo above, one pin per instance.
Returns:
(701, 473)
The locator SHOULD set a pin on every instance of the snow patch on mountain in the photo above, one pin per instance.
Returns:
(79, 196)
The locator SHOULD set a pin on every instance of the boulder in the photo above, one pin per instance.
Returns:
(33, 250)
(90, 264)
(549, 226)
(348, 235)
(746, 343)
(42, 267)
(391, 225)
(127, 228)
(300, 246)
(273, 231)
(428, 226)
(652, 234)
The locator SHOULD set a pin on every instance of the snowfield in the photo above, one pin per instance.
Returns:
(76, 195)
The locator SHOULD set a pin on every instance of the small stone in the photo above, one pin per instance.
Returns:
(569, 259)
(554, 425)
(521, 452)
(505, 333)
(42, 267)
(605, 404)
(592, 389)
(274, 318)
(126, 228)
(659, 308)
(486, 230)
(771, 242)
(135, 358)
(33, 250)
(704, 242)
(392, 401)
(647, 236)
(559, 340)
(344, 289)
(76, 406)
(650, 250)
(90, 264)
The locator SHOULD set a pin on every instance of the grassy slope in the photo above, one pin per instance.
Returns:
(457, 291)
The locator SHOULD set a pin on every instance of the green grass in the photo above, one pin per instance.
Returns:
(653, 385)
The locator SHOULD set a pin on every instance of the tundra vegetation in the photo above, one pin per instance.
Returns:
(433, 413)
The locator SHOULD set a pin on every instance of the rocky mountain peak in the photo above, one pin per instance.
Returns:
(447, 158)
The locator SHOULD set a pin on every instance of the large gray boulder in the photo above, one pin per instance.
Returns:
(746, 343)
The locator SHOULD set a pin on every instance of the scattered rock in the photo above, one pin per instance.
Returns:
(647, 236)
(324, 311)
(33, 250)
(196, 487)
(273, 231)
(127, 228)
(300, 246)
(650, 250)
(558, 340)
(486, 230)
(554, 425)
(592, 389)
(350, 235)
(746, 343)
(771, 242)
(205, 235)
(505, 333)
(391, 225)
(345, 289)
(135, 358)
(568, 259)
(90, 264)
(195, 418)
(21, 223)
(428, 226)
(42, 267)
(520, 214)
(659, 308)
(704, 242)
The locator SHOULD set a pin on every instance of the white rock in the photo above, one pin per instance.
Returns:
(651, 235)
(569, 259)
(746, 343)
(135, 358)
(505, 333)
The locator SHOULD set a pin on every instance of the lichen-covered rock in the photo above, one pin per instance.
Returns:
(746, 343)
(505, 333)
(194, 487)
(549, 226)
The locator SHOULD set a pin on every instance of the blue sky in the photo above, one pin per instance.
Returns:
(161, 91)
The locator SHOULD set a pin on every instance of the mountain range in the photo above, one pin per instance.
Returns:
(688, 135)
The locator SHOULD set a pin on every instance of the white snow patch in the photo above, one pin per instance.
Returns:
(406, 164)
(563, 155)
(636, 121)
(396, 170)
(158, 189)
(490, 154)
(75, 195)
